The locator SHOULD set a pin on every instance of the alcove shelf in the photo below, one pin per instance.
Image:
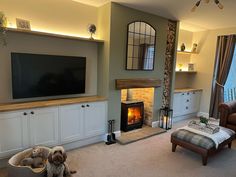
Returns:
(47, 34)
(186, 52)
(190, 72)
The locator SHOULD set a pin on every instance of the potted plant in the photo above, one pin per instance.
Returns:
(203, 121)
(3, 29)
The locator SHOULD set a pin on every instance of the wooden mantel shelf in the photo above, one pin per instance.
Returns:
(47, 103)
(47, 34)
(137, 83)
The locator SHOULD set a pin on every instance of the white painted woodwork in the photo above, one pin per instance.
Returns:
(14, 134)
(95, 118)
(51, 126)
(71, 122)
(44, 126)
(186, 103)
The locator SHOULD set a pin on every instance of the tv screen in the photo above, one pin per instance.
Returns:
(36, 75)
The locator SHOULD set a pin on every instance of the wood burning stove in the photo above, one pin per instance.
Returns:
(132, 115)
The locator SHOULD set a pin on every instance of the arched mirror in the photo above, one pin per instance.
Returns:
(140, 46)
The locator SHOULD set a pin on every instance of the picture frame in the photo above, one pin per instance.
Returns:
(191, 67)
(23, 24)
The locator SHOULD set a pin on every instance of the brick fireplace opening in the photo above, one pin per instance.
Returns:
(145, 95)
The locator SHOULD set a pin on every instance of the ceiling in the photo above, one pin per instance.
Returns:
(207, 16)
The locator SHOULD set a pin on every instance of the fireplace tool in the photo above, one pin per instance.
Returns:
(111, 137)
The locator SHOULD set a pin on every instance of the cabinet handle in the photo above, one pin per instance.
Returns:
(187, 107)
(32, 112)
(187, 100)
(83, 106)
(87, 105)
(25, 114)
(188, 93)
(182, 93)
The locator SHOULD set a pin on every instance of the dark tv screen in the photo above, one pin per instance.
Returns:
(37, 75)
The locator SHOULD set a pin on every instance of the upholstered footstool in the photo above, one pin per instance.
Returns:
(198, 143)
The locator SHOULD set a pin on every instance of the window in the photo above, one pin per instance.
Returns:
(230, 85)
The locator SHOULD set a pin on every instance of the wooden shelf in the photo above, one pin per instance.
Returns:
(47, 34)
(137, 83)
(186, 72)
(186, 52)
(47, 103)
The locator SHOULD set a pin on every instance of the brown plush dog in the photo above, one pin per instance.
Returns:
(36, 160)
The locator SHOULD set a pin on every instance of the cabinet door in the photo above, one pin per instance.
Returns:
(195, 101)
(13, 133)
(178, 104)
(44, 126)
(71, 122)
(186, 103)
(95, 118)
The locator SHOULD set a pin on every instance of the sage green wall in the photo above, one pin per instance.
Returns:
(104, 22)
(120, 17)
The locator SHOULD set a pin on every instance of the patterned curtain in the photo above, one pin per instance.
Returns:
(224, 56)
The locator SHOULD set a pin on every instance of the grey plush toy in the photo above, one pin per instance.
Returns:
(37, 158)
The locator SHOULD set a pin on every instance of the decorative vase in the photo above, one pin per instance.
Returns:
(182, 47)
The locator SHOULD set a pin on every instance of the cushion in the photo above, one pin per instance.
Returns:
(193, 138)
(232, 118)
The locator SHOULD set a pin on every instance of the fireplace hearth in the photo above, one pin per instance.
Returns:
(132, 115)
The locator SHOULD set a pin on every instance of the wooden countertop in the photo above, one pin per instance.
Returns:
(187, 90)
(46, 103)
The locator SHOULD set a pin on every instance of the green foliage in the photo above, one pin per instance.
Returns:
(203, 120)
(3, 20)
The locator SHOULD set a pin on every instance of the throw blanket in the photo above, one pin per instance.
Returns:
(218, 137)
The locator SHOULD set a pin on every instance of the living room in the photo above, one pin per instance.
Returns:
(176, 76)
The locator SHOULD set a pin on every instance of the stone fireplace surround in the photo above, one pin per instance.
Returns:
(143, 90)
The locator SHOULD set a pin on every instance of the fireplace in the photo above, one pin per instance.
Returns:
(132, 115)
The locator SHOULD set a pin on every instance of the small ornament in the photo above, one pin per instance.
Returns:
(194, 49)
(182, 48)
(92, 29)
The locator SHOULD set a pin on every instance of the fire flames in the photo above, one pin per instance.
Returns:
(134, 115)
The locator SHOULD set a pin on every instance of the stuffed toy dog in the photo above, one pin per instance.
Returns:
(37, 158)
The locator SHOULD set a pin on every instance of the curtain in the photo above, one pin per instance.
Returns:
(223, 60)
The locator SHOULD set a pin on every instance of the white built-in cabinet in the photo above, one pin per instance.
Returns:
(51, 126)
(185, 103)
(82, 121)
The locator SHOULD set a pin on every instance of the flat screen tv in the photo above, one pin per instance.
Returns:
(37, 75)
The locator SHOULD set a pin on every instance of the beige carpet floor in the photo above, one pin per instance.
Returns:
(151, 157)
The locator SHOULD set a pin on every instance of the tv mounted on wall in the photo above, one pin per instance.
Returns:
(37, 75)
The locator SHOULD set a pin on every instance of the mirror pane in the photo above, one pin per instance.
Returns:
(137, 27)
(153, 33)
(143, 28)
(131, 27)
(130, 51)
(136, 39)
(131, 38)
(141, 46)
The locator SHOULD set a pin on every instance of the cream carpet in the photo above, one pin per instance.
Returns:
(151, 157)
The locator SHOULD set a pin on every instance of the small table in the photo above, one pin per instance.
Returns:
(204, 150)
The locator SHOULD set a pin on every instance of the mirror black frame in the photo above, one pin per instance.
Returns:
(152, 35)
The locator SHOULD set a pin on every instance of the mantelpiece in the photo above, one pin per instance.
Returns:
(137, 83)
